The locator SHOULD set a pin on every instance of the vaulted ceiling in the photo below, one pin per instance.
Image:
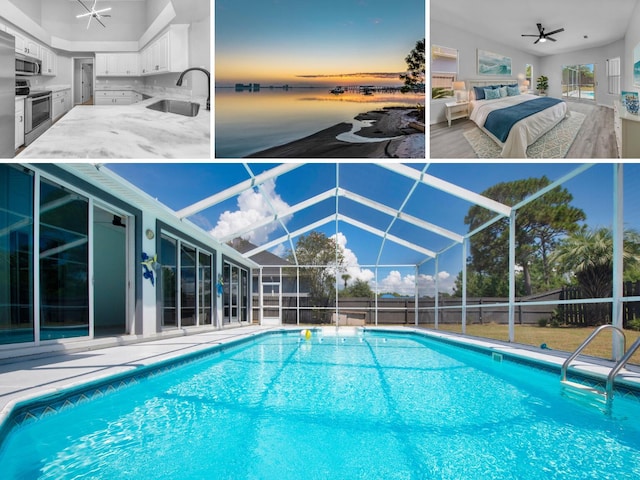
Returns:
(602, 22)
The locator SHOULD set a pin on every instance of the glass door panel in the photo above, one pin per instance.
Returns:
(578, 82)
(16, 252)
(187, 286)
(169, 262)
(244, 296)
(64, 263)
(234, 293)
(226, 294)
(204, 289)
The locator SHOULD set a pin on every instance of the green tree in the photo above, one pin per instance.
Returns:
(345, 278)
(415, 75)
(588, 256)
(359, 289)
(318, 249)
(539, 225)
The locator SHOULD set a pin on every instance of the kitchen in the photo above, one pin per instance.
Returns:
(117, 79)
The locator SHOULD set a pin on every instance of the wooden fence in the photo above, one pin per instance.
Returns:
(591, 314)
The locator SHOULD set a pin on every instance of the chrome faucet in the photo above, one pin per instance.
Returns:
(206, 72)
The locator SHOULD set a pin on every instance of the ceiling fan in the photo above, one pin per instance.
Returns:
(93, 13)
(543, 37)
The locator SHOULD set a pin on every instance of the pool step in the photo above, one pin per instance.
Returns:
(585, 393)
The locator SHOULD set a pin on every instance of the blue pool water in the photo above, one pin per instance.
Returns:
(282, 407)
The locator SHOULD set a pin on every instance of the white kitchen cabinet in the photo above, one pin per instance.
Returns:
(113, 97)
(49, 62)
(128, 64)
(59, 103)
(105, 64)
(117, 64)
(67, 100)
(32, 48)
(19, 118)
(25, 45)
(168, 53)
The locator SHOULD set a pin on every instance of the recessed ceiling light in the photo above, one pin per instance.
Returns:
(586, 36)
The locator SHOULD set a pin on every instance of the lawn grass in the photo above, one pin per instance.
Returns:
(565, 339)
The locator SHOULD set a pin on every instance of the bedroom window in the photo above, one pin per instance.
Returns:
(528, 75)
(444, 71)
(613, 75)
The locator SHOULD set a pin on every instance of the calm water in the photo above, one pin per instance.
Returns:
(392, 407)
(247, 122)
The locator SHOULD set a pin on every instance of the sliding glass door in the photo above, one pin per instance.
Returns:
(578, 82)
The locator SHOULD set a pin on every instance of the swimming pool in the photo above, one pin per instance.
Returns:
(372, 406)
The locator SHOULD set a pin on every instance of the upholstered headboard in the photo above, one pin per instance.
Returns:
(483, 82)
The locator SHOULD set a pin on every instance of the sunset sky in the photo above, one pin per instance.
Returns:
(307, 42)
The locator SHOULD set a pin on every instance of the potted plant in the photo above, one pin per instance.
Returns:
(543, 85)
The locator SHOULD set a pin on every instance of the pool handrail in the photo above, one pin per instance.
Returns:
(565, 365)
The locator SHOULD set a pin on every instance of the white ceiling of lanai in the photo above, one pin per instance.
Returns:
(602, 21)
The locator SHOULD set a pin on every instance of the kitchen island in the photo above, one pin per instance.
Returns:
(127, 131)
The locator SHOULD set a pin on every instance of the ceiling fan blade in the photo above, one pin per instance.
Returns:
(98, 20)
(84, 15)
(102, 10)
(531, 35)
(89, 22)
(555, 31)
(537, 40)
(549, 38)
(85, 7)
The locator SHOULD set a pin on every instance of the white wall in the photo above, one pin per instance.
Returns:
(551, 66)
(467, 44)
(631, 39)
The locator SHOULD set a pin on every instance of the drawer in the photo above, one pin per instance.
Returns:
(113, 93)
(458, 109)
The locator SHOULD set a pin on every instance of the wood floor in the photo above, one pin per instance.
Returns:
(595, 139)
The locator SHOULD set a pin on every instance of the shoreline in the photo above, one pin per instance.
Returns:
(391, 126)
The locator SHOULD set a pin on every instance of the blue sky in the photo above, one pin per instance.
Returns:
(304, 41)
(180, 185)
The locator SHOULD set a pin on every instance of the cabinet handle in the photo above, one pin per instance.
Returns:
(20, 121)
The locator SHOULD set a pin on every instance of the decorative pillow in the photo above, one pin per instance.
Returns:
(479, 92)
(503, 91)
(513, 91)
(512, 85)
(491, 93)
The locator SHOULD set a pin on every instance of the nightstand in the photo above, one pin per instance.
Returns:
(456, 110)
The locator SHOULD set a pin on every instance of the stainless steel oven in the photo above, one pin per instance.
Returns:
(27, 65)
(37, 113)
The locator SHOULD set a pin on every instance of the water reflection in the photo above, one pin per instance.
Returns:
(250, 121)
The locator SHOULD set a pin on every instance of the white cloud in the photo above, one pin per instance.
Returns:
(351, 262)
(395, 282)
(252, 208)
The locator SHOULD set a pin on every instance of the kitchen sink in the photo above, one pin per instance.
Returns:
(187, 109)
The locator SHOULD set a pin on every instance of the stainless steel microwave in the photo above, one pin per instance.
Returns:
(27, 65)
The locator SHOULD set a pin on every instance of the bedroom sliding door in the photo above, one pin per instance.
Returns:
(578, 82)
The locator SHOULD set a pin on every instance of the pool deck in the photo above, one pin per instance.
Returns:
(26, 378)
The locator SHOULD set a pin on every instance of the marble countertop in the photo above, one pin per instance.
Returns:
(57, 88)
(127, 131)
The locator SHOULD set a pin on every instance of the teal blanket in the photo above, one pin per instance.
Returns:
(499, 122)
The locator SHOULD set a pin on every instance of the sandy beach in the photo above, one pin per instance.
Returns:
(386, 133)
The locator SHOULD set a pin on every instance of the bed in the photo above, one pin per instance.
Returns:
(511, 120)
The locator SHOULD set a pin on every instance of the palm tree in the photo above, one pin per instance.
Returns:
(346, 277)
(588, 255)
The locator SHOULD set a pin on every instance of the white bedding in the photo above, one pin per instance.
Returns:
(523, 133)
